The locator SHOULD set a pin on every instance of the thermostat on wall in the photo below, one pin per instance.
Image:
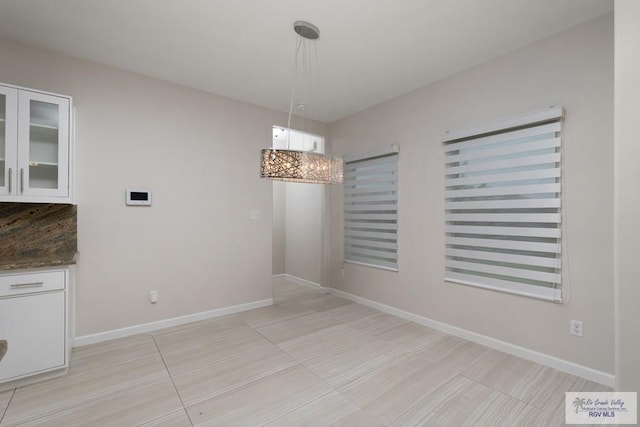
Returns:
(136, 197)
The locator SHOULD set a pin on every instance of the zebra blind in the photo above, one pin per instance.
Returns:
(371, 208)
(503, 205)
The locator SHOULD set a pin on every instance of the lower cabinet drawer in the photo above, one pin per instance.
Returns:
(25, 283)
(33, 327)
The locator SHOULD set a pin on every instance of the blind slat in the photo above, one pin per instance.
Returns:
(505, 177)
(505, 217)
(371, 189)
(354, 207)
(511, 190)
(371, 217)
(372, 234)
(503, 164)
(373, 252)
(520, 273)
(370, 226)
(351, 241)
(366, 169)
(500, 257)
(504, 231)
(356, 198)
(504, 204)
(387, 265)
(385, 179)
(550, 294)
(504, 244)
(503, 151)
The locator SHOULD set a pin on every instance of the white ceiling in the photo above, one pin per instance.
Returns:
(369, 50)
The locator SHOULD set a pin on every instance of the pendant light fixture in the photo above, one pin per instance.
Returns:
(296, 165)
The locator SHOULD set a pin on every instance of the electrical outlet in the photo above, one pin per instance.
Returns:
(576, 328)
(153, 297)
(254, 215)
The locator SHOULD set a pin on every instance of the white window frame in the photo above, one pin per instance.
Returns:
(503, 202)
(371, 208)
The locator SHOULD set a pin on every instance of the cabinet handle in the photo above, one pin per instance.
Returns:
(21, 180)
(26, 285)
(10, 176)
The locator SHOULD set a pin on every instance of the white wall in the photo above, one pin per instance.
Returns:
(198, 153)
(574, 69)
(627, 195)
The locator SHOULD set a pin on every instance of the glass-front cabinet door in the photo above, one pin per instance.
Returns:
(8, 139)
(43, 145)
(35, 146)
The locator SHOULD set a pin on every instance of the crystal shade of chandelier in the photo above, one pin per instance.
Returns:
(300, 166)
(294, 165)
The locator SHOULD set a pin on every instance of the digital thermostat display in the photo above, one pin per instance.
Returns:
(137, 197)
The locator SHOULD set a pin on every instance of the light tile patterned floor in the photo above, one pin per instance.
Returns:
(312, 359)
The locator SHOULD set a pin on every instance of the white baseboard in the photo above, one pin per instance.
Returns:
(525, 353)
(167, 323)
(298, 280)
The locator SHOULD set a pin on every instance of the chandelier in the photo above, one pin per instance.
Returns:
(296, 165)
(300, 166)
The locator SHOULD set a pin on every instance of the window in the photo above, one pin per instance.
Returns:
(371, 208)
(503, 205)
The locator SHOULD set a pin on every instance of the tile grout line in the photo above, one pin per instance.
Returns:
(76, 404)
(301, 364)
(422, 398)
(266, 424)
(259, 378)
(171, 378)
(257, 331)
(13, 393)
(507, 394)
(270, 323)
(333, 389)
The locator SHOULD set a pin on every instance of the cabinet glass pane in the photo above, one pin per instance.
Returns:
(43, 145)
(3, 137)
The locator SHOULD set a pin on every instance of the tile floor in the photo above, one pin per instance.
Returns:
(310, 359)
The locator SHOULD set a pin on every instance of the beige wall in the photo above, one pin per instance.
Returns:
(304, 231)
(198, 153)
(279, 228)
(297, 230)
(574, 69)
(627, 195)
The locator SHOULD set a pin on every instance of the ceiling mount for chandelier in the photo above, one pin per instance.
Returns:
(306, 30)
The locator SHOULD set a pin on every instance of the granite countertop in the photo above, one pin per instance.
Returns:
(34, 235)
(19, 262)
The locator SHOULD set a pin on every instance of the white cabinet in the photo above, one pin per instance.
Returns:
(33, 323)
(35, 146)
